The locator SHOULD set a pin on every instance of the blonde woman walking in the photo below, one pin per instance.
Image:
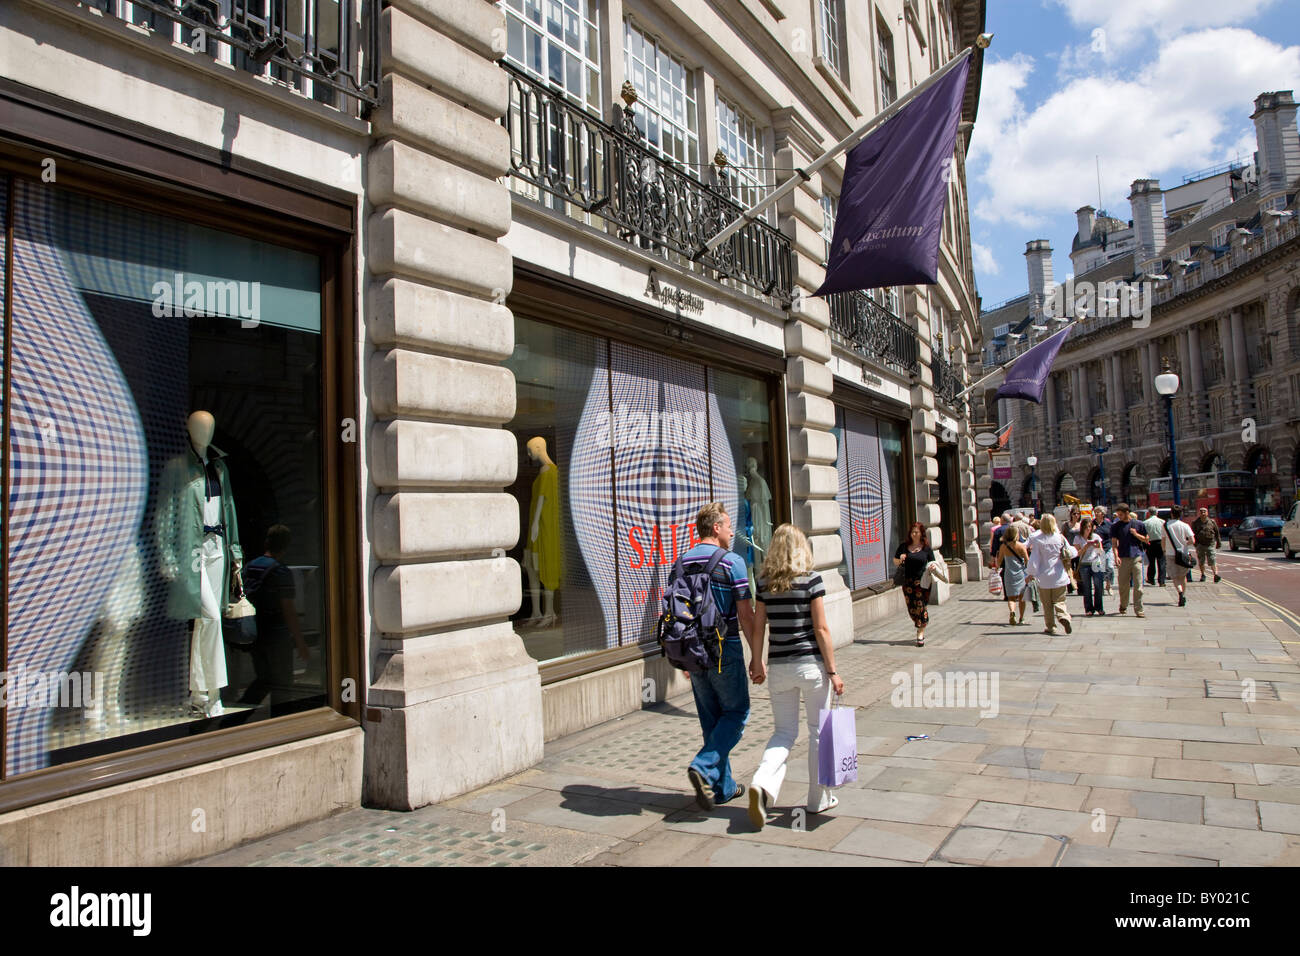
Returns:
(801, 662)
(1049, 553)
(1011, 559)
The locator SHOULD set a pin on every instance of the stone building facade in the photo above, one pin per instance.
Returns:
(494, 375)
(1218, 260)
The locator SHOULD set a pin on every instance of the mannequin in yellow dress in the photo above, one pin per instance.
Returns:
(542, 549)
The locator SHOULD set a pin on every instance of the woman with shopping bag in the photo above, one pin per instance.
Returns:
(912, 558)
(1012, 558)
(800, 662)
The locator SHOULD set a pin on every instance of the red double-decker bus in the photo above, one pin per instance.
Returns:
(1229, 496)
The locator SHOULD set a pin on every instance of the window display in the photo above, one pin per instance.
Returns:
(870, 465)
(619, 448)
(163, 418)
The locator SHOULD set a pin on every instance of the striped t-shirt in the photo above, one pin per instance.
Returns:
(789, 616)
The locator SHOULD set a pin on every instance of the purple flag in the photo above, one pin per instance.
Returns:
(895, 184)
(1028, 376)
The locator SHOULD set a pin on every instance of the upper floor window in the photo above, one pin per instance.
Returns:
(934, 41)
(830, 17)
(666, 110)
(830, 206)
(741, 143)
(885, 63)
(557, 40)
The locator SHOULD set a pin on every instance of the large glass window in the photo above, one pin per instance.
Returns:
(619, 448)
(741, 141)
(164, 434)
(872, 519)
(830, 16)
(885, 64)
(666, 113)
(557, 40)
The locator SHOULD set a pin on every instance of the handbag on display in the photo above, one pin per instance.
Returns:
(239, 619)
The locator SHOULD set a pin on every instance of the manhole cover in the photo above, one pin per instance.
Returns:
(1235, 689)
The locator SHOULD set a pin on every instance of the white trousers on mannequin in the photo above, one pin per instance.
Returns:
(207, 651)
(786, 682)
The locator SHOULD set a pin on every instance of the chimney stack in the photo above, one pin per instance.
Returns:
(1086, 221)
(1279, 147)
(1038, 259)
(1148, 202)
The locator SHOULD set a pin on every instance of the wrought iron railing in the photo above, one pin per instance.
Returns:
(947, 383)
(861, 324)
(324, 49)
(608, 171)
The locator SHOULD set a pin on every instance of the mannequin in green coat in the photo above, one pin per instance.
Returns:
(198, 546)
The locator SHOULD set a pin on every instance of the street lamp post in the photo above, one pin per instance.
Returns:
(1100, 445)
(1032, 462)
(1167, 385)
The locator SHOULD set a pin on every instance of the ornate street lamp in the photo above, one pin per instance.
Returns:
(1100, 445)
(1167, 385)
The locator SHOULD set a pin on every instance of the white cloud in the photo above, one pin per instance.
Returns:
(985, 264)
(1186, 109)
(1118, 25)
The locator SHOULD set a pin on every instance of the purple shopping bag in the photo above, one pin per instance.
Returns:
(837, 747)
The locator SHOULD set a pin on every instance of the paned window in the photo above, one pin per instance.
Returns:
(741, 142)
(885, 63)
(559, 41)
(666, 109)
(830, 16)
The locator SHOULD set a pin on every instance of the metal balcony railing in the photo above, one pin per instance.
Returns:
(324, 49)
(947, 383)
(862, 325)
(608, 171)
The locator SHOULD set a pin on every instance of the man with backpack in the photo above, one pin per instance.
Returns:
(706, 606)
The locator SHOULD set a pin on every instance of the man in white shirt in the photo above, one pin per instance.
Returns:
(1179, 537)
(1156, 549)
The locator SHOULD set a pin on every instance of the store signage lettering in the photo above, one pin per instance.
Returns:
(651, 540)
(671, 298)
(867, 531)
(870, 379)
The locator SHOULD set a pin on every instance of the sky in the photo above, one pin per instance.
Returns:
(1144, 88)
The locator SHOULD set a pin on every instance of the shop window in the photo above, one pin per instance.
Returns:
(872, 518)
(619, 448)
(142, 347)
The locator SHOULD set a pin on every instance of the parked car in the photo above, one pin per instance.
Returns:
(1257, 533)
(1291, 531)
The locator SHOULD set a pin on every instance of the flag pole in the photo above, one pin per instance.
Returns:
(997, 371)
(805, 173)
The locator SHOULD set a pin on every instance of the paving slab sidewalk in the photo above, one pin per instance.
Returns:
(1107, 748)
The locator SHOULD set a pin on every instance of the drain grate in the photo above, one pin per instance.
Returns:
(1262, 689)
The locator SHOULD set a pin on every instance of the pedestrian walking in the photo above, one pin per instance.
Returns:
(1102, 524)
(914, 555)
(800, 663)
(1128, 543)
(721, 694)
(1092, 567)
(1012, 558)
(1179, 540)
(1156, 549)
(1206, 530)
(1048, 552)
(993, 539)
(1071, 531)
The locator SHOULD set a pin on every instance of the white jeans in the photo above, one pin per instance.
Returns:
(786, 681)
(207, 652)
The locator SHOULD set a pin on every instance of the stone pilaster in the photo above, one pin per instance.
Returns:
(810, 413)
(925, 425)
(454, 700)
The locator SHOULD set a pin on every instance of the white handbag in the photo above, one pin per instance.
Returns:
(935, 569)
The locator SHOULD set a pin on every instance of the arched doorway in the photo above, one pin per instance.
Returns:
(1001, 500)
(1213, 462)
(1096, 489)
(1134, 485)
(1164, 468)
(1268, 485)
(1064, 485)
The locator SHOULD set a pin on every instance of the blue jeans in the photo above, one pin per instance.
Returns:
(1090, 583)
(722, 702)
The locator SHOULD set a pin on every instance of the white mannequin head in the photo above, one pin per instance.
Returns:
(201, 426)
(751, 465)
